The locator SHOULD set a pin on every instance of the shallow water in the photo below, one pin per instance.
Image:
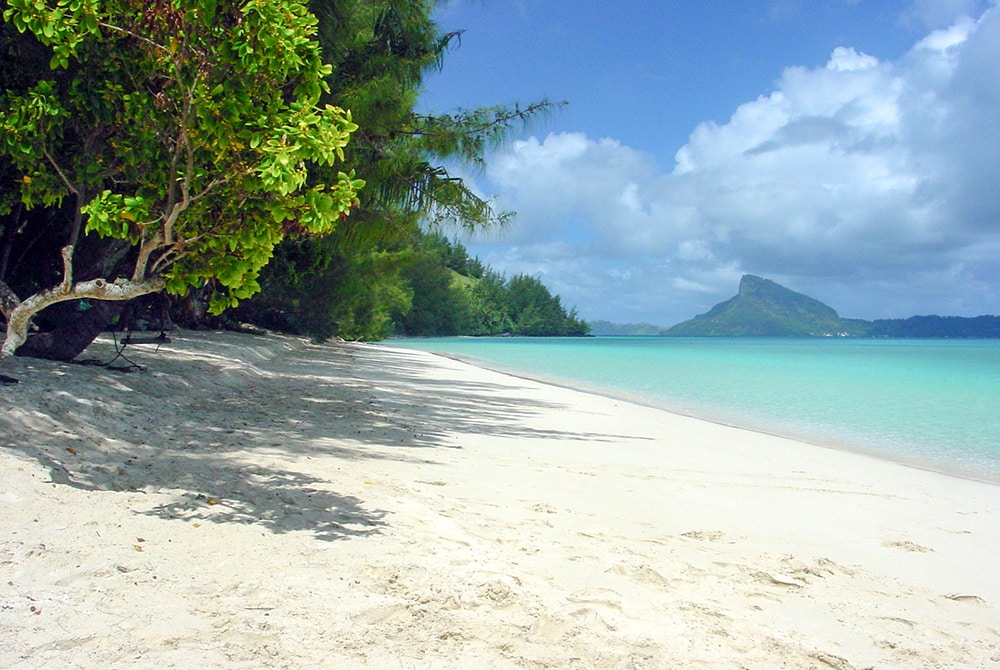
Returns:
(934, 403)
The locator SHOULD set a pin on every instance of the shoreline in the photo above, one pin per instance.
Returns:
(266, 502)
(858, 446)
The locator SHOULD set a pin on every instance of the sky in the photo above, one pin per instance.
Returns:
(846, 149)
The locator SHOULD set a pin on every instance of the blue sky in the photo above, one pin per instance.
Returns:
(848, 149)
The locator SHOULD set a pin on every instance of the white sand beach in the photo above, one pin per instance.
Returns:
(264, 502)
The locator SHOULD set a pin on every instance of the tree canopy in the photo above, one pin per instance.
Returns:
(371, 269)
(186, 129)
(223, 150)
(432, 288)
(453, 294)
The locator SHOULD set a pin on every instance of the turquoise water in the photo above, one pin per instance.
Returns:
(934, 403)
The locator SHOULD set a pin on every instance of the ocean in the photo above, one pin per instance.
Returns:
(929, 403)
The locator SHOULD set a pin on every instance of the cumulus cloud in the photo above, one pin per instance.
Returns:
(860, 181)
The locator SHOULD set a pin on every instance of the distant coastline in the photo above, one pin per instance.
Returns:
(763, 308)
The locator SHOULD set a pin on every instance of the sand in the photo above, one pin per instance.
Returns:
(264, 502)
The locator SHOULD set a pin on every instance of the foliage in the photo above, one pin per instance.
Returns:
(313, 288)
(490, 308)
(439, 307)
(933, 326)
(380, 50)
(190, 130)
(202, 145)
(446, 302)
(429, 287)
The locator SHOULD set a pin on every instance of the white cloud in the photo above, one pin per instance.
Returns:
(861, 172)
(846, 59)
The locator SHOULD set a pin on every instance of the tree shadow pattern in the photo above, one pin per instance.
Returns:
(218, 430)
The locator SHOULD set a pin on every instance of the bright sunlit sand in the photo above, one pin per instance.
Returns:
(250, 502)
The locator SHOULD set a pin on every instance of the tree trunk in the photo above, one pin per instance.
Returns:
(10, 230)
(8, 301)
(19, 318)
(68, 342)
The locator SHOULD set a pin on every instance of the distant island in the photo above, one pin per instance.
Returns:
(764, 308)
(610, 329)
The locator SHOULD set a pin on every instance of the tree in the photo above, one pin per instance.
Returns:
(310, 288)
(535, 311)
(188, 130)
(491, 314)
(440, 306)
(454, 295)
(380, 50)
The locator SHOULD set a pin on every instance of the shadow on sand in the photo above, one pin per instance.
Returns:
(227, 425)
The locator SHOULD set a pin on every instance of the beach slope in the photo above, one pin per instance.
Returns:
(264, 502)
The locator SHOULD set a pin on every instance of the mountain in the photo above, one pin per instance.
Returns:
(764, 308)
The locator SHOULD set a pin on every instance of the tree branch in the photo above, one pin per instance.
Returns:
(69, 185)
(134, 35)
(67, 259)
(146, 250)
(97, 289)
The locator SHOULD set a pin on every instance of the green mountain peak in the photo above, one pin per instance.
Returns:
(764, 308)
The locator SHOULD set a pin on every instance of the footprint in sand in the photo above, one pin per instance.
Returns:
(595, 600)
(641, 573)
(496, 591)
(551, 628)
(705, 535)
